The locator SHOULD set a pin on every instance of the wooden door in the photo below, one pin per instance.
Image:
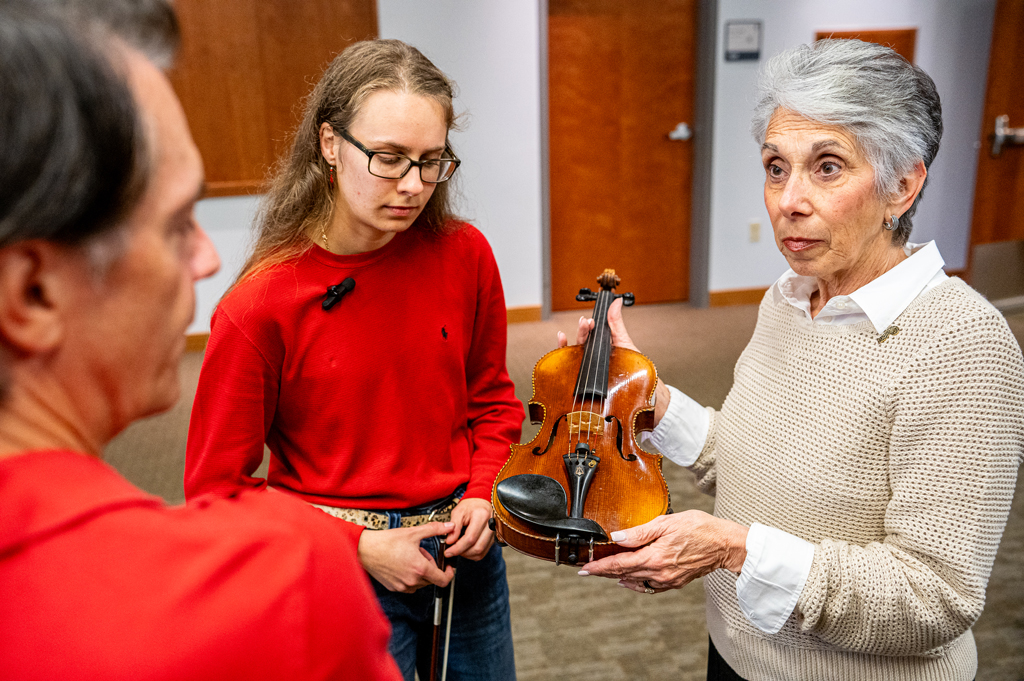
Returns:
(999, 188)
(621, 77)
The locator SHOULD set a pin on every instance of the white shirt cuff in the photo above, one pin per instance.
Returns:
(773, 576)
(683, 429)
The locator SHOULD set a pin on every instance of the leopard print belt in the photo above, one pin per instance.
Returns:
(376, 520)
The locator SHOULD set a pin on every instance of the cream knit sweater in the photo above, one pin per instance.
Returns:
(898, 460)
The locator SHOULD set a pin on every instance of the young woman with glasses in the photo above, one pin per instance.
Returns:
(364, 344)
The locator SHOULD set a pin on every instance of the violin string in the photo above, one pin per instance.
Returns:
(594, 347)
(602, 340)
(581, 392)
(579, 398)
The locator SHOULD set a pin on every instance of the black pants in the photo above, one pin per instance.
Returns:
(719, 669)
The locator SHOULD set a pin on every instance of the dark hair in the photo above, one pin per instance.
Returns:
(71, 142)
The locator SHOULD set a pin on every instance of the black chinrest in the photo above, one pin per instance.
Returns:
(541, 501)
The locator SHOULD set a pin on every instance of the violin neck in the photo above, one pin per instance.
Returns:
(592, 382)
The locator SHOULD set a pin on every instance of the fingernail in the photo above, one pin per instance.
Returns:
(623, 585)
(583, 573)
(619, 535)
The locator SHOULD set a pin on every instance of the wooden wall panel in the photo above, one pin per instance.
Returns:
(902, 40)
(245, 67)
(999, 188)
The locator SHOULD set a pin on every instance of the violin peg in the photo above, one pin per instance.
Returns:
(586, 295)
(627, 299)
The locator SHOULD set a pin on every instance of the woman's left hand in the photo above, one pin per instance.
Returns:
(674, 550)
(476, 540)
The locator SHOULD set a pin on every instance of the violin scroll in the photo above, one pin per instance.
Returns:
(608, 280)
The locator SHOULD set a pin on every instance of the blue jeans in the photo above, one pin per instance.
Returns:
(481, 641)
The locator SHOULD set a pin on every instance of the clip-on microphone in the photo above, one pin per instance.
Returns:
(334, 293)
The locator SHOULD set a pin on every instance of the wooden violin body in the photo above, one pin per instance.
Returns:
(584, 475)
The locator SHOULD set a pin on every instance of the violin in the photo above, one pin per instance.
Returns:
(584, 475)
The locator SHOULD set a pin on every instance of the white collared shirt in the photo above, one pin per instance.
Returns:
(777, 562)
(881, 300)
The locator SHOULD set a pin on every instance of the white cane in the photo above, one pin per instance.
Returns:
(448, 628)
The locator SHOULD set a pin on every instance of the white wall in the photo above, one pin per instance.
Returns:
(491, 50)
(228, 221)
(953, 38)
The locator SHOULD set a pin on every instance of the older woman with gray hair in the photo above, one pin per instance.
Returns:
(864, 462)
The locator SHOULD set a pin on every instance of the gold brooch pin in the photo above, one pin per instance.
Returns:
(888, 333)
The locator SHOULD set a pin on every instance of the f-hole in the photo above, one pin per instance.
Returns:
(551, 438)
(618, 437)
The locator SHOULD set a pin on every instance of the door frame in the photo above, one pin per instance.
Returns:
(545, 164)
(703, 148)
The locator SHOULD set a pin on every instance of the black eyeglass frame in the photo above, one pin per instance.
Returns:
(412, 164)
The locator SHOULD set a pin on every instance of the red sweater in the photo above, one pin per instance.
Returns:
(103, 581)
(391, 399)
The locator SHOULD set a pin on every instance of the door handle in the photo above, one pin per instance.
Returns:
(1005, 134)
(681, 133)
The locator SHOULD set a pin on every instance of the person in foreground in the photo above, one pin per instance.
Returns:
(385, 402)
(864, 462)
(99, 254)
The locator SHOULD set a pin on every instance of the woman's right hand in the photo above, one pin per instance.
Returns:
(620, 339)
(395, 559)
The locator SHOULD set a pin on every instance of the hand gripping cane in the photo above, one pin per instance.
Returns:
(438, 603)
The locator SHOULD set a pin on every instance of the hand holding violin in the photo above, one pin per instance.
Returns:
(672, 550)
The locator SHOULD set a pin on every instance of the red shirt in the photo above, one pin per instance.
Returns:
(102, 581)
(391, 399)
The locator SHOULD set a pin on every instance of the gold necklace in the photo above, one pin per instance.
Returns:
(323, 237)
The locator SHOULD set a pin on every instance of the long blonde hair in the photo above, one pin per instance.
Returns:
(299, 202)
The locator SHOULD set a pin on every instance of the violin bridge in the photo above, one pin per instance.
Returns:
(585, 421)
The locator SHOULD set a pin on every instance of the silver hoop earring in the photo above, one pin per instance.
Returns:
(893, 224)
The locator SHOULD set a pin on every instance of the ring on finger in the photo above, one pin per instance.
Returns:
(648, 589)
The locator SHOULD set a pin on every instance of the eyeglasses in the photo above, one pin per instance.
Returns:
(391, 166)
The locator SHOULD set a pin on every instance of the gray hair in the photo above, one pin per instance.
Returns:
(890, 106)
